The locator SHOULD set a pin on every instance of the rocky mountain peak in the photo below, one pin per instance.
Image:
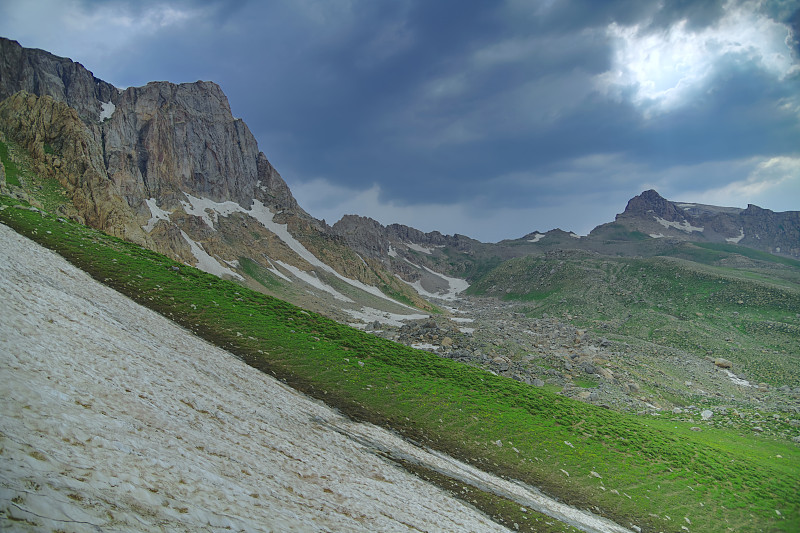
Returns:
(364, 234)
(158, 141)
(165, 139)
(652, 203)
(651, 214)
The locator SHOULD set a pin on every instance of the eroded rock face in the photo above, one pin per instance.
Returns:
(163, 139)
(61, 147)
(42, 73)
(154, 141)
(650, 203)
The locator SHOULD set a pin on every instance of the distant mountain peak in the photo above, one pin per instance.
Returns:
(650, 202)
(653, 215)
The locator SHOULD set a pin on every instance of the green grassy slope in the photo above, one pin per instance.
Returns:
(10, 167)
(660, 476)
(749, 316)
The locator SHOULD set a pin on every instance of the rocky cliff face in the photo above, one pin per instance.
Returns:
(407, 252)
(61, 148)
(162, 140)
(371, 238)
(43, 74)
(168, 166)
(157, 140)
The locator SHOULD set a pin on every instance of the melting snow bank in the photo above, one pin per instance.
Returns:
(737, 380)
(205, 262)
(683, 226)
(210, 211)
(525, 495)
(449, 289)
(115, 418)
(735, 240)
(368, 314)
(106, 110)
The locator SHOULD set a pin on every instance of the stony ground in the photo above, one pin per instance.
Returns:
(622, 374)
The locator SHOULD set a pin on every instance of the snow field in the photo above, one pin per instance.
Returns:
(115, 418)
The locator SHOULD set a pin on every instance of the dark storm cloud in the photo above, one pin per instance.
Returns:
(468, 106)
(697, 14)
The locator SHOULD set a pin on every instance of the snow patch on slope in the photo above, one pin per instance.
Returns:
(457, 285)
(157, 430)
(314, 281)
(417, 286)
(537, 237)
(368, 315)
(210, 211)
(735, 240)
(683, 226)
(428, 347)
(736, 379)
(106, 110)
(272, 268)
(419, 248)
(156, 214)
(206, 263)
(262, 213)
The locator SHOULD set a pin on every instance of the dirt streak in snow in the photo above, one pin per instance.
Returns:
(115, 418)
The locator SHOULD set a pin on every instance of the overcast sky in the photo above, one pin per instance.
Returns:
(487, 118)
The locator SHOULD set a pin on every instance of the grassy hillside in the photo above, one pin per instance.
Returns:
(701, 299)
(656, 474)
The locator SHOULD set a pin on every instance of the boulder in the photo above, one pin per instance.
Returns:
(722, 363)
(605, 373)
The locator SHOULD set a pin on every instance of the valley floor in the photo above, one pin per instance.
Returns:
(621, 373)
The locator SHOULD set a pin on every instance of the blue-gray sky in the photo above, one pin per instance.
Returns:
(486, 118)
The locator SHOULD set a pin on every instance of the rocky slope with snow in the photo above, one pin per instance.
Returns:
(169, 167)
(39, 72)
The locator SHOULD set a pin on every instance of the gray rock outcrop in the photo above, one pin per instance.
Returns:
(44, 74)
(164, 139)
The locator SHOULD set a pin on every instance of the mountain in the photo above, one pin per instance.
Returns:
(168, 166)
(754, 227)
(663, 312)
